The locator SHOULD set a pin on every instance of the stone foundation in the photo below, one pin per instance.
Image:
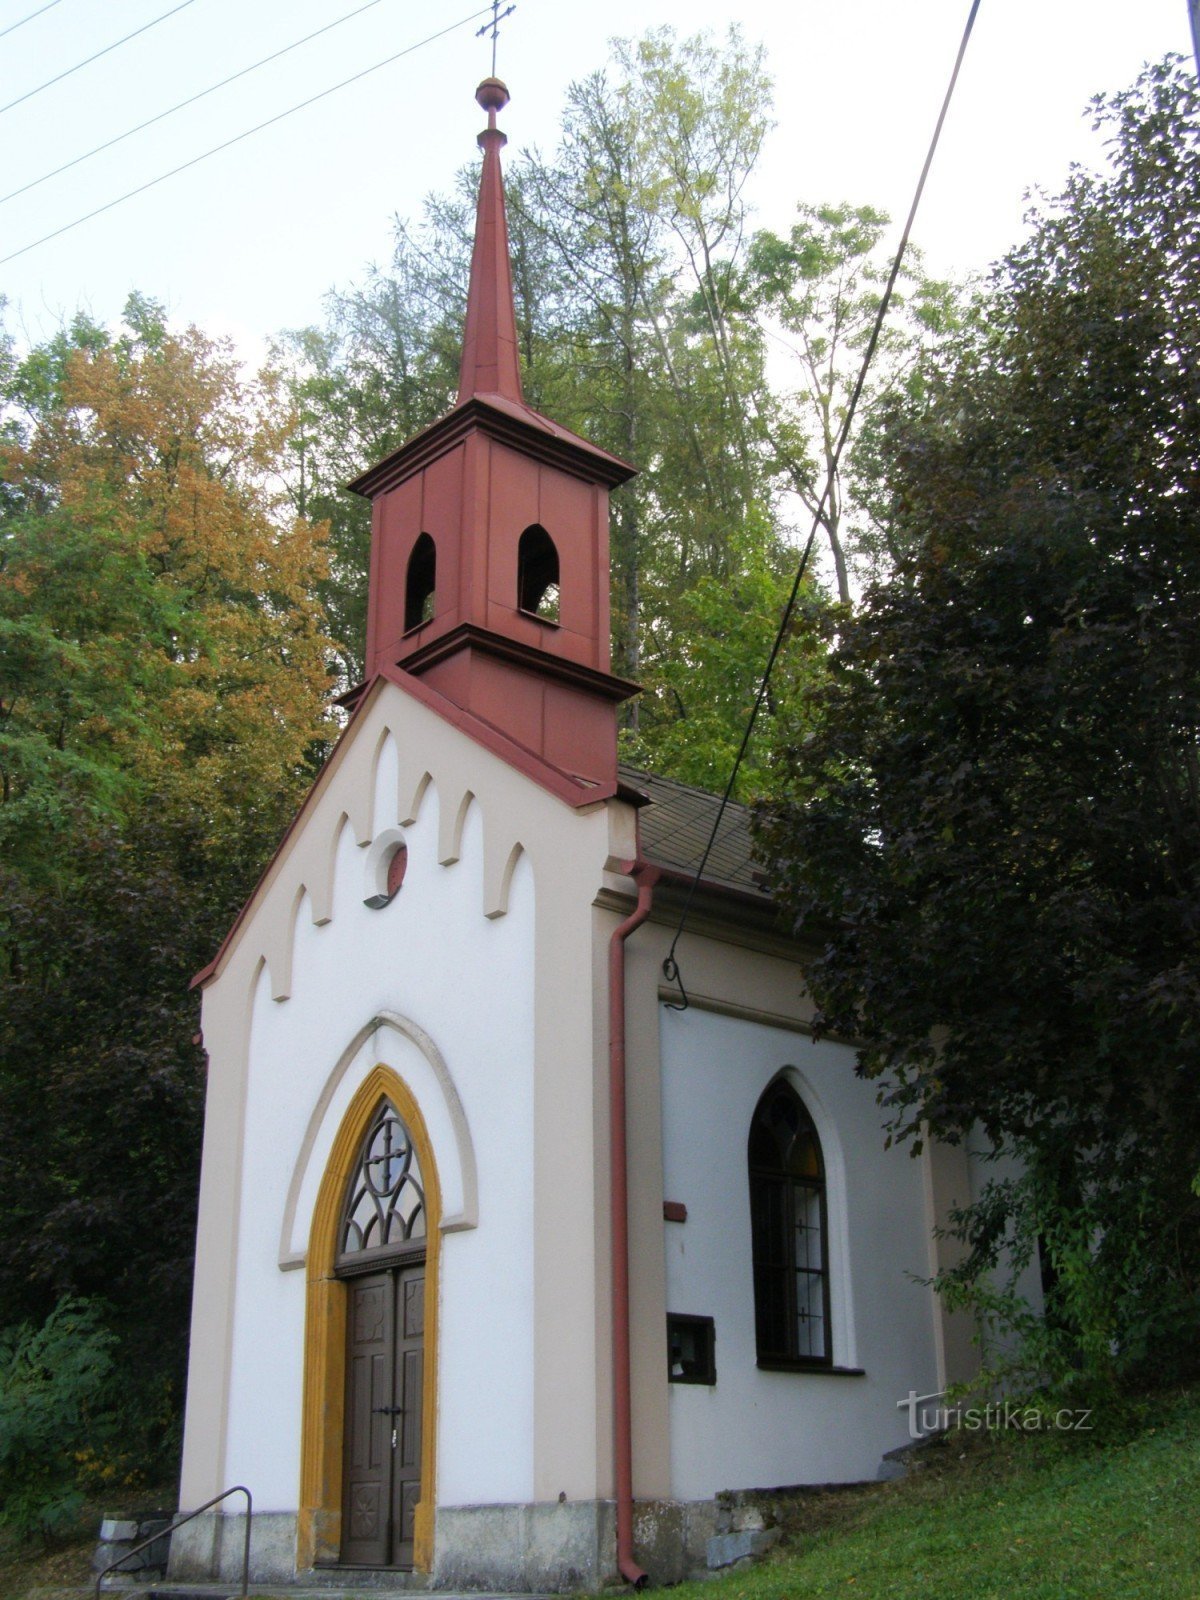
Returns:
(515, 1549)
(209, 1549)
(525, 1548)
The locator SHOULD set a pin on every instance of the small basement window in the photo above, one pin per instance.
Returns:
(420, 585)
(537, 574)
(691, 1349)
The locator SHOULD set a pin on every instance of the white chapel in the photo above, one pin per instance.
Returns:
(506, 1268)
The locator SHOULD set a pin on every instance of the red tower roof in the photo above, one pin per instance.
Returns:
(490, 363)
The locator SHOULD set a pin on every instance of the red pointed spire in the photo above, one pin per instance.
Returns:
(490, 364)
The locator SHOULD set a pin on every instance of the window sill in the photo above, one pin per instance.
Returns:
(817, 1368)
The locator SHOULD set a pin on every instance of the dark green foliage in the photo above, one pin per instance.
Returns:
(101, 1099)
(997, 815)
(154, 607)
(56, 1410)
(102, 1087)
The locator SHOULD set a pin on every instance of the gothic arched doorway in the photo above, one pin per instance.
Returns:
(371, 1339)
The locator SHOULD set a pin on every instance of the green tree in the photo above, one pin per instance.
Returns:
(643, 206)
(700, 686)
(155, 600)
(822, 286)
(56, 1402)
(163, 671)
(384, 365)
(995, 811)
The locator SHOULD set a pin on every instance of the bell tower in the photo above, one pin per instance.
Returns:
(489, 537)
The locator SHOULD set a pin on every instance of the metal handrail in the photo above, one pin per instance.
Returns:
(238, 1488)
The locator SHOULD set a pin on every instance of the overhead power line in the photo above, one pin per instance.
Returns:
(180, 104)
(238, 137)
(13, 26)
(108, 48)
(670, 964)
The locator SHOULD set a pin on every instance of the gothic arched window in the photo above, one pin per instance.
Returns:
(385, 1200)
(420, 584)
(789, 1230)
(537, 574)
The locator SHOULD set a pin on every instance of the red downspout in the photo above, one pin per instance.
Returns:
(645, 877)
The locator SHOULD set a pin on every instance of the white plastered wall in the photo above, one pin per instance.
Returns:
(698, 1075)
(756, 1427)
(462, 984)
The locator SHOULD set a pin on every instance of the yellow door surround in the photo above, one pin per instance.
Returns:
(320, 1523)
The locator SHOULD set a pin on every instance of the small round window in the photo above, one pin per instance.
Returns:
(391, 874)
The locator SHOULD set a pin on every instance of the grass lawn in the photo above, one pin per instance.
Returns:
(998, 1516)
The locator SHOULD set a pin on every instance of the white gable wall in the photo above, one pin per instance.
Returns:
(360, 963)
(494, 912)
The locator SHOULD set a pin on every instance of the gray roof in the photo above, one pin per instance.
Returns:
(676, 826)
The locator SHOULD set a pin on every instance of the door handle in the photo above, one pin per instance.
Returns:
(387, 1411)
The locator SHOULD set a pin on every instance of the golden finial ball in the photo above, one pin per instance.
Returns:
(492, 95)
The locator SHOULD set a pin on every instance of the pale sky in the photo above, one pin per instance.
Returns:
(248, 241)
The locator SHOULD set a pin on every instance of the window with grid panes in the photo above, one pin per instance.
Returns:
(788, 1227)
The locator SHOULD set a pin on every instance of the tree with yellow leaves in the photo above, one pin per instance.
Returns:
(159, 636)
(164, 677)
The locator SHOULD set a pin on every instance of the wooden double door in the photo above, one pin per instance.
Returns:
(385, 1366)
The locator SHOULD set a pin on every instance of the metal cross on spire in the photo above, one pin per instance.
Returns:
(493, 27)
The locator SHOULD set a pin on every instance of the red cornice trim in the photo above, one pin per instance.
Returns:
(510, 422)
(469, 636)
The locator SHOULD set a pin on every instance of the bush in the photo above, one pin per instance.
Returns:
(56, 1410)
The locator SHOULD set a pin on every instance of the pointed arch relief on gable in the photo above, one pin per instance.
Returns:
(498, 873)
(262, 984)
(452, 822)
(385, 784)
(410, 813)
(279, 952)
(325, 878)
(443, 1111)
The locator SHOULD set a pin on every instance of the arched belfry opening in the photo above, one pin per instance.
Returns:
(420, 585)
(537, 574)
